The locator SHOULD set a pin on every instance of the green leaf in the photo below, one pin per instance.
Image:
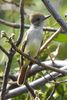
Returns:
(60, 89)
(48, 93)
(61, 38)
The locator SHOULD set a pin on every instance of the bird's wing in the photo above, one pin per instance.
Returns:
(24, 42)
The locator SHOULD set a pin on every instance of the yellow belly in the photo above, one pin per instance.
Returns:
(32, 49)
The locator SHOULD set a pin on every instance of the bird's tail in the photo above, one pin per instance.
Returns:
(21, 76)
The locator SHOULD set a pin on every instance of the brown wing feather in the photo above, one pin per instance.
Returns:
(23, 69)
(21, 76)
(23, 47)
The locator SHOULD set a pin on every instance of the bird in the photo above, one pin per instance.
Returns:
(32, 42)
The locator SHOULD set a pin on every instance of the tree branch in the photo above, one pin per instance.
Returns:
(30, 89)
(10, 24)
(36, 68)
(12, 52)
(5, 77)
(11, 2)
(53, 91)
(17, 26)
(55, 14)
(49, 40)
(40, 64)
(34, 60)
(22, 22)
(39, 82)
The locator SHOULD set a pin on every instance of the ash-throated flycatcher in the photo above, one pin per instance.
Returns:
(32, 41)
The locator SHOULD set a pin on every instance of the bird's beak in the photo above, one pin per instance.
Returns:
(46, 17)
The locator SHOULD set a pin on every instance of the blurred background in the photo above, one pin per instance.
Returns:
(10, 12)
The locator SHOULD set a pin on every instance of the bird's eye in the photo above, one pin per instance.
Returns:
(38, 19)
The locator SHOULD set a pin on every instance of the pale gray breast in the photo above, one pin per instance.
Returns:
(35, 35)
(34, 39)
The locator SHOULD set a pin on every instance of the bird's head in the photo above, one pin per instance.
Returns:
(37, 19)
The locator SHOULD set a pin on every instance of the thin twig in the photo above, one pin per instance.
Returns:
(4, 51)
(64, 81)
(49, 40)
(10, 24)
(11, 2)
(22, 22)
(17, 26)
(30, 89)
(55, 14)
(53, 91)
